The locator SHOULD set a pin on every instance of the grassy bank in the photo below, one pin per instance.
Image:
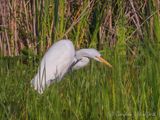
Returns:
(129, 90)
(127, 33)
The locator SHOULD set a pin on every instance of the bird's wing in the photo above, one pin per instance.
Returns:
(54, 64)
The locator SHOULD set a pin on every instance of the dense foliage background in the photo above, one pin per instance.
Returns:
(126, 32)
(34, 25)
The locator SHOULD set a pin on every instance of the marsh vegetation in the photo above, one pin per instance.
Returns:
(127, 33)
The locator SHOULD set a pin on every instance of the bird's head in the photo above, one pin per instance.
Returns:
(91, 53)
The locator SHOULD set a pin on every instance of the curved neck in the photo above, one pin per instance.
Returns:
(83, 53)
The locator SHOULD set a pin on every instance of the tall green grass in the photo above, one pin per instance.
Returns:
(129, 90)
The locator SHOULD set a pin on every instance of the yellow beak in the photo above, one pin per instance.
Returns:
(104, 61)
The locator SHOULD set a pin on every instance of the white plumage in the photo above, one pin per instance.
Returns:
(58, 60)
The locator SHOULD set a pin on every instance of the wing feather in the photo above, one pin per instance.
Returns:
(54, 64)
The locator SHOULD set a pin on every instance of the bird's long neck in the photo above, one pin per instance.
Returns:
(82, 53)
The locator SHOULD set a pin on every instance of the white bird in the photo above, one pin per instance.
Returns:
(60, 58)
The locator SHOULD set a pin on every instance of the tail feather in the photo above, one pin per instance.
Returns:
(37, 85)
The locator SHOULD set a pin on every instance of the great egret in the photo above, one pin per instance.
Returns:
(59, 59)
